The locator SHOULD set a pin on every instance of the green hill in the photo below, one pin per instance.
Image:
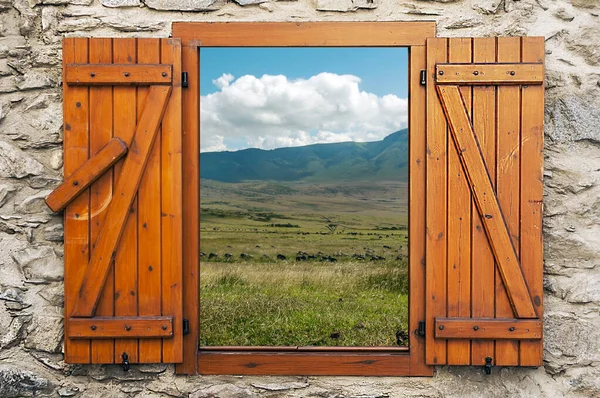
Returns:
(379, 160)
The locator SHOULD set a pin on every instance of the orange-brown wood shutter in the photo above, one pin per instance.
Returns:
(485, 113)
(123, 216)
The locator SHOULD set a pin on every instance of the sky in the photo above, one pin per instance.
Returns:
(278, 97)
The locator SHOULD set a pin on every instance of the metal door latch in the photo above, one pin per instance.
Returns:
(125, 362)
(488, 365)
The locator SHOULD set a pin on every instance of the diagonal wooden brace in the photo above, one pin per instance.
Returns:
(487, 203)
(123, 196)
(84, 176)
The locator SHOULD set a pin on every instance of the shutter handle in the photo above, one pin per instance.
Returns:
(125, 362)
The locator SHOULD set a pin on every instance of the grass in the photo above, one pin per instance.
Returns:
(250, 297)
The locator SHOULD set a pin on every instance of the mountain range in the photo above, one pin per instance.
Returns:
(377, 160)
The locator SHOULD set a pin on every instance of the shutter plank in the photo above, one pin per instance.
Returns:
(76, 219)
(488, 328)
(507, 182)
(113, 75)
(101, 259)
(171, 206)
(84, 176)
(101, 103)
(149, 257)
(126, 291)
(459, 225)
(436, 211)
(482, 261)
(486, 200)
(532, 191)
(124, 329)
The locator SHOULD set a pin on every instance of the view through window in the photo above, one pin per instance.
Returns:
(304, 197)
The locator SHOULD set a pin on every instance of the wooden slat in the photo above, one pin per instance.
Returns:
(436, 210)
(486, 328)
(84, 176)
(171, 205)
(507, 182)
(305, 364)
(486, 74)
(101, 124)
(482, 259)
(124, 121)
(532, 191)
(486, 200)
(285, 34)
(121, 327)
(416, 214)
(459, 226)
(149, 257)
(122, 74)
(118, 208)
(76, 219)
(191, 204)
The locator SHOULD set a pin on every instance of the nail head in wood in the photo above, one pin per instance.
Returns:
(475, 327)
(93, 327)
(475, 73)
(127, 327)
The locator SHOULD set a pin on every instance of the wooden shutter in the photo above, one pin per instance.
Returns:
(485, 113)
(123, 199)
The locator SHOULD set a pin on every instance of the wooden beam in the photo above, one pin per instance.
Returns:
(85, 175)
(128, 183)
(487, 203)
(118, 74)
(121, 327)
(488, 328)
(489, 74)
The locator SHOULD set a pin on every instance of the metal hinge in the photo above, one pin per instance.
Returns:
(423, 75)
(184, 80)
(186, 326)
(421, 329)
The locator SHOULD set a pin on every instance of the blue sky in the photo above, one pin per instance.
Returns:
(280, 97)
(383, 70)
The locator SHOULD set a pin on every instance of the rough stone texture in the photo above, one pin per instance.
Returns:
(30, 164)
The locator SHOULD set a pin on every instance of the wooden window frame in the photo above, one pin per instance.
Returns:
(357, 361)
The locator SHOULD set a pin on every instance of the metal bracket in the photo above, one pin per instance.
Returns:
(488, 365)
(421, 329)
(423, 76)
(184, 80)
(125, 362)
(186, 326)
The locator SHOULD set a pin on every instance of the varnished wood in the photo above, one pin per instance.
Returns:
(191, 203)
(127, 327)
(487, 202)
(483, 267)
(488, 74)
(126, 263)
(508, 155)
(437, 206)
(488, 328)
(532, 193)
(76, 216)
(103, 254)
(459, 225)
(149, 221)
(118, 74)
(290, 34)
(101, 131)
(417, 141)
(171, 206)
(306, 364)
(84, 176)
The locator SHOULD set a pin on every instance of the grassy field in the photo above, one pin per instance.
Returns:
(300, 264)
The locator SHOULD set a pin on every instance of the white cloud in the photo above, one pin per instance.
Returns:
(272, 112)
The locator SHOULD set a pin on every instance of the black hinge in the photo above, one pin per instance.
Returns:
(186, 326)
(421, 329)
(423, 77)
(184, 80)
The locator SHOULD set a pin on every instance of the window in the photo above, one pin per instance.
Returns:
(131, 130)
(376, 360)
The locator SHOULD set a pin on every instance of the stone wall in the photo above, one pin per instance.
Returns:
(31, 266)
